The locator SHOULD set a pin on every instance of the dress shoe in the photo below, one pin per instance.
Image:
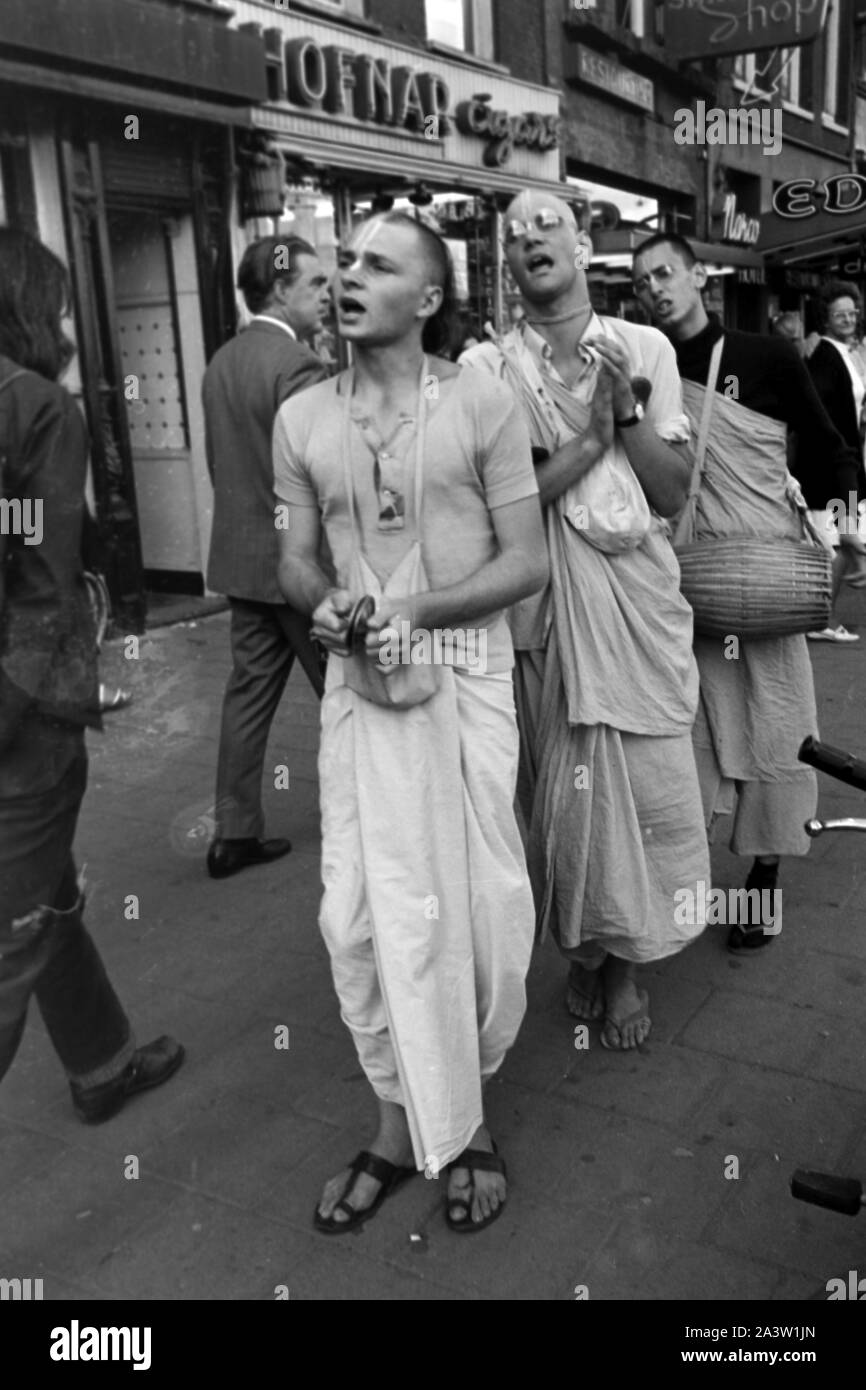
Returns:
(150, 1066)
(226, 857)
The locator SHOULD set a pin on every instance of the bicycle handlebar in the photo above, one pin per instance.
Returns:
(835, 762)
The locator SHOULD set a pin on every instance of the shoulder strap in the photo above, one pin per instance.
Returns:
(347, 380)
(685, 526)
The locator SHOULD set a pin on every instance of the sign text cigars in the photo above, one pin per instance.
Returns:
(343, 82)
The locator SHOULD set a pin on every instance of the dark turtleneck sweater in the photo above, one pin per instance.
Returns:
(773, 380)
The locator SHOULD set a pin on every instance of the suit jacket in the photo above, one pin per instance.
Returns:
(833, 384)
(244, 386)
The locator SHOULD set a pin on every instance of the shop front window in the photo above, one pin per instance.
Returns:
(463, 24)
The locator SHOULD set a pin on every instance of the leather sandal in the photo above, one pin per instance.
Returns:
(388, 1174)
(476, 1160)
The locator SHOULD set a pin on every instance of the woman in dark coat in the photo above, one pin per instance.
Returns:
(48, 695)
(837, 374)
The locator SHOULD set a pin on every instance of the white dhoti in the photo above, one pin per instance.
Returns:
(427, 910)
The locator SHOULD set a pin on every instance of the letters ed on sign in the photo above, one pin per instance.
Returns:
(840, 195)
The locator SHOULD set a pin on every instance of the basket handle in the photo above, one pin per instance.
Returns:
(686, 524)
(794, 494)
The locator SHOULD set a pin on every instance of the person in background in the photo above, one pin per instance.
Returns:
(468, 334)
(837, 371)
(789, 325)
(286, 290)
(48, 696)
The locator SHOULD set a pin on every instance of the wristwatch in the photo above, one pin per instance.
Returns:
(633, 419)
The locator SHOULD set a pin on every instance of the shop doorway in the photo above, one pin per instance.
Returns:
(162, 358)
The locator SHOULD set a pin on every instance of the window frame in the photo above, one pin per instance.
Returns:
(795, 70)
(352, 9)
(634, 16)
(833, 76)
(469, 46)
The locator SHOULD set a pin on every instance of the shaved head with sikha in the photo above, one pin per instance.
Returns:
(546, 254)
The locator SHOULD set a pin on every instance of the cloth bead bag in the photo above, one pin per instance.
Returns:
(402, 686)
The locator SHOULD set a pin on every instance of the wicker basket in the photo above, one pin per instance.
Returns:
(746, 587)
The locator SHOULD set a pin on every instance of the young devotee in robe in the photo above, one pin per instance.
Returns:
(421, 478)
(605, 680)
(755, 710)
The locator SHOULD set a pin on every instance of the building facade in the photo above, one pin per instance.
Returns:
(626, 93)
(148, 141)
(116, 150)
(403, 104)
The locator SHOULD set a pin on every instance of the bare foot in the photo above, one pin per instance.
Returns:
(585, 995)
(627, 1023)
(392, 1142)
(485, 1192)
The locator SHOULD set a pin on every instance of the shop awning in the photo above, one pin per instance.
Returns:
(122, 93)
(190, 47)
(327, 156)
(625, 241)
(801, 239)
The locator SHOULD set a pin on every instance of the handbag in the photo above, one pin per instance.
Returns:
(404, 685)
(744, 586)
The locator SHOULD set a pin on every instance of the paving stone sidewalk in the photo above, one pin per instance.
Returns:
(617, 1162)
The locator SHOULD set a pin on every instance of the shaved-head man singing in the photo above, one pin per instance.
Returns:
(605, 680)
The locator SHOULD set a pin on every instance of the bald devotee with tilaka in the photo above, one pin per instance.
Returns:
(422, 480)
(605, 679)
(756, 710)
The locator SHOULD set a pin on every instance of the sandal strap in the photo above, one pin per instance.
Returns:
(375, 1166)
(480, 1160)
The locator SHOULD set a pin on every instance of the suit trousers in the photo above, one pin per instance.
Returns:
(265, 639)
(45, 949)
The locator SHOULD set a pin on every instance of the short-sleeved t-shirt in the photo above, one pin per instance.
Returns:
(477, 457)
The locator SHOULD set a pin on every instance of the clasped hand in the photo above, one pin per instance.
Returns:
(331, 622)
(613, 397)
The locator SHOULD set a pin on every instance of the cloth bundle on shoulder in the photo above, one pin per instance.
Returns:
(607, 505)
(748, 586)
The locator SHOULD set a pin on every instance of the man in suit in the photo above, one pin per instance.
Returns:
(248, 379)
